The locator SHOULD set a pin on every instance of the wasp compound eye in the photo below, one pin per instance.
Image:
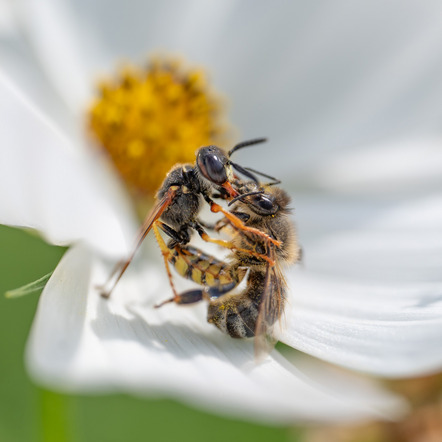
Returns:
(211, 163)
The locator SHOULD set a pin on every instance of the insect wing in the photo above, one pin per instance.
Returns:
(153, 215)
(271, 306)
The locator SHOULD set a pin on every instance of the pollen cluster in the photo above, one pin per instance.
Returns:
(148, 120)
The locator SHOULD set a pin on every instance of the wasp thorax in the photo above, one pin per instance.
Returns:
(148, 120)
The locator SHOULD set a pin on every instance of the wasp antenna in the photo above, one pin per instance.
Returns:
(245, 172)
(272, 183)
(245, 144)
(240, 197)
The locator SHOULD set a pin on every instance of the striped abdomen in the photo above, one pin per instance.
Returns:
(206, 270)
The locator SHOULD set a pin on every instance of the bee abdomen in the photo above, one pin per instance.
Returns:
(235, 315)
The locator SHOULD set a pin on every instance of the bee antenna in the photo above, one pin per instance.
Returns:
(245, 172)
(245, 144)
(240, 197)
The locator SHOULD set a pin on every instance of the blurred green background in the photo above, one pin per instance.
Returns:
(28, 413)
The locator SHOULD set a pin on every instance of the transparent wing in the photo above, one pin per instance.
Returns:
(107, 288)
(270, 311)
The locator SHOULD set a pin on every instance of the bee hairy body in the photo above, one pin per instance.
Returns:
(237, 314)
(254, 311)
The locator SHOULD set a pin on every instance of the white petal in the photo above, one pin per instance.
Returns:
(47, 185)
(8, 25)
(19, 62)
(315, 79)
(50, 31)
(369, 295)
(80, 342)
(403, 166)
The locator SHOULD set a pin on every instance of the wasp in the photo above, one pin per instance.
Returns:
(254, 311)
(180, 199)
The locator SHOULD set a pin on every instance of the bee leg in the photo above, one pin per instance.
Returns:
(189, 297)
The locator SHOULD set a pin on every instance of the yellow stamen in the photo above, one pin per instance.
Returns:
(149, 120)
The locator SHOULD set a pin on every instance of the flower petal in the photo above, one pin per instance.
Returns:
(58, 50)
(81, 342)
(8, 25)
(370, 294)
(47, 185)
(318, 80)
(404, 166)
(18, 61)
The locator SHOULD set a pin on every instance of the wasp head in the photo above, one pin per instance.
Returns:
(214, 166)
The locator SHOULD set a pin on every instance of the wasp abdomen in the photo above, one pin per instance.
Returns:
(204, 269)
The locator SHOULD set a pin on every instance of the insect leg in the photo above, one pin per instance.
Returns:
(189, 297)
(181, 237)
(236, 222)
(229, 245)
(197, 295)
(167, 254)
(215, 276)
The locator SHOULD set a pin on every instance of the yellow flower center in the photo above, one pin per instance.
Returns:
(149, 120)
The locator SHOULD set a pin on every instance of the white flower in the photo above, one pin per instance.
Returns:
(369, 295)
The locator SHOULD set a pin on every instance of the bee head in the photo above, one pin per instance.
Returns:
(263, 201)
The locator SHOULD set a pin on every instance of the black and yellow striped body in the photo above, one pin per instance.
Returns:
(206, 270)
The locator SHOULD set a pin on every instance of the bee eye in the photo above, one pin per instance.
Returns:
(212, 166)
(265, 204)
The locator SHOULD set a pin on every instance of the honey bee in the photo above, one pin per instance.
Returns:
(254, 311)
(180, 197)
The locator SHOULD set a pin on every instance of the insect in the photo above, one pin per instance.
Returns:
(254, 310)
(180, 197)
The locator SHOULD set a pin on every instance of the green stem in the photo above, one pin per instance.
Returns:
(55, 425)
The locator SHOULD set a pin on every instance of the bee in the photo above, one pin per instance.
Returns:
(254, 311)
(180, 198)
